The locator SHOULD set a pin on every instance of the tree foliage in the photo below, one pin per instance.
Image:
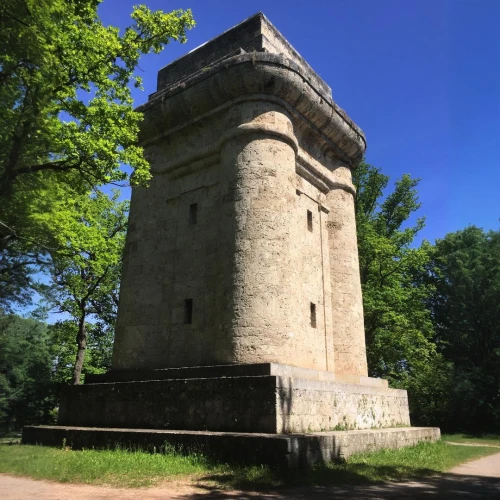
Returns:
(17, 267)
(64, 94)
(35, 359)
(398, 324)
(26, 390)
(465, 272)
(85, 269)
(63, 347)
(66, 118)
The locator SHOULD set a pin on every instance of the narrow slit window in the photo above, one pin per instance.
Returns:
(193, 213)
(188, 311)
(309, 220)
(313, 315)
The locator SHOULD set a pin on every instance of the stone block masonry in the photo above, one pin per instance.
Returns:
(243, 131)
(240, 324)
(265, 398)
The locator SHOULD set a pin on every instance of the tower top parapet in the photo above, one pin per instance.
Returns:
(255, 34)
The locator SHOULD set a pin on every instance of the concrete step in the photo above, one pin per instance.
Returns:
(286, 450)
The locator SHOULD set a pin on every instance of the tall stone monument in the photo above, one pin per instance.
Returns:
(240, 324)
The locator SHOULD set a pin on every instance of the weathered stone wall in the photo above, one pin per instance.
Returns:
(240, 404)
(167, 261)
(347, 301)
(268, 271)
(257, 403)
(276, 261)
(313, 406)
(250, 263)
(231, 370)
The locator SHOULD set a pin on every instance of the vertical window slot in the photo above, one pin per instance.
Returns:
(313, 315)
(193, 213)
(309, 220)
(188, 311)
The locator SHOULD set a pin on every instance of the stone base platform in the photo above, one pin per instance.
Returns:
(281, 450)
(234, 370)
(263, 413)
(256, 398)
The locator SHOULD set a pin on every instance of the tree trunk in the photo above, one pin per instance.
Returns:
(81, 340)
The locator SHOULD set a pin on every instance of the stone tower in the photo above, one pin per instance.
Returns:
(240, 323)
(243, 249)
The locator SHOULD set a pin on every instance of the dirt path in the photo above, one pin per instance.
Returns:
(486, 467)
(473, 444)
(479, 479)
(22, 488)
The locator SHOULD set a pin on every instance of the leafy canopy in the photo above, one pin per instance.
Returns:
(87, 262)
(35, 359)
(26, 391)
(98, 351)
(398, 325)
(66, 119)
(85, 269)
(465, 306)
(65, 100)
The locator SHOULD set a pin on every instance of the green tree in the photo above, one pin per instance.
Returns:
(99, 346)
(24, 244)
(465, 306)
(17, 267)
(26, 391)
(85, 273)
(47, 124)
(66, 117)
(398, 325)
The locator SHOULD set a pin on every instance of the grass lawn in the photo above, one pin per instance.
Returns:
(488, 439)
(133, 469)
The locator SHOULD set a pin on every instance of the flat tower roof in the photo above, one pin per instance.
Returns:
(255, 34)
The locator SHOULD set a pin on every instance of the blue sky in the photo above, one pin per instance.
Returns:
(420, 77)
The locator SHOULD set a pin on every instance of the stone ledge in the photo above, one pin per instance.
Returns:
(285, 450)
(235, 370)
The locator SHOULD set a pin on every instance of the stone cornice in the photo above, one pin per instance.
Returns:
(305, 166)
(243, 76)
(316, 174)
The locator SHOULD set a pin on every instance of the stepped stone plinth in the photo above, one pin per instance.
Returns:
(240, 324)
(264, 398)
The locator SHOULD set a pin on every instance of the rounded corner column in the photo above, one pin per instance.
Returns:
(347, 302)
(257, 169)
